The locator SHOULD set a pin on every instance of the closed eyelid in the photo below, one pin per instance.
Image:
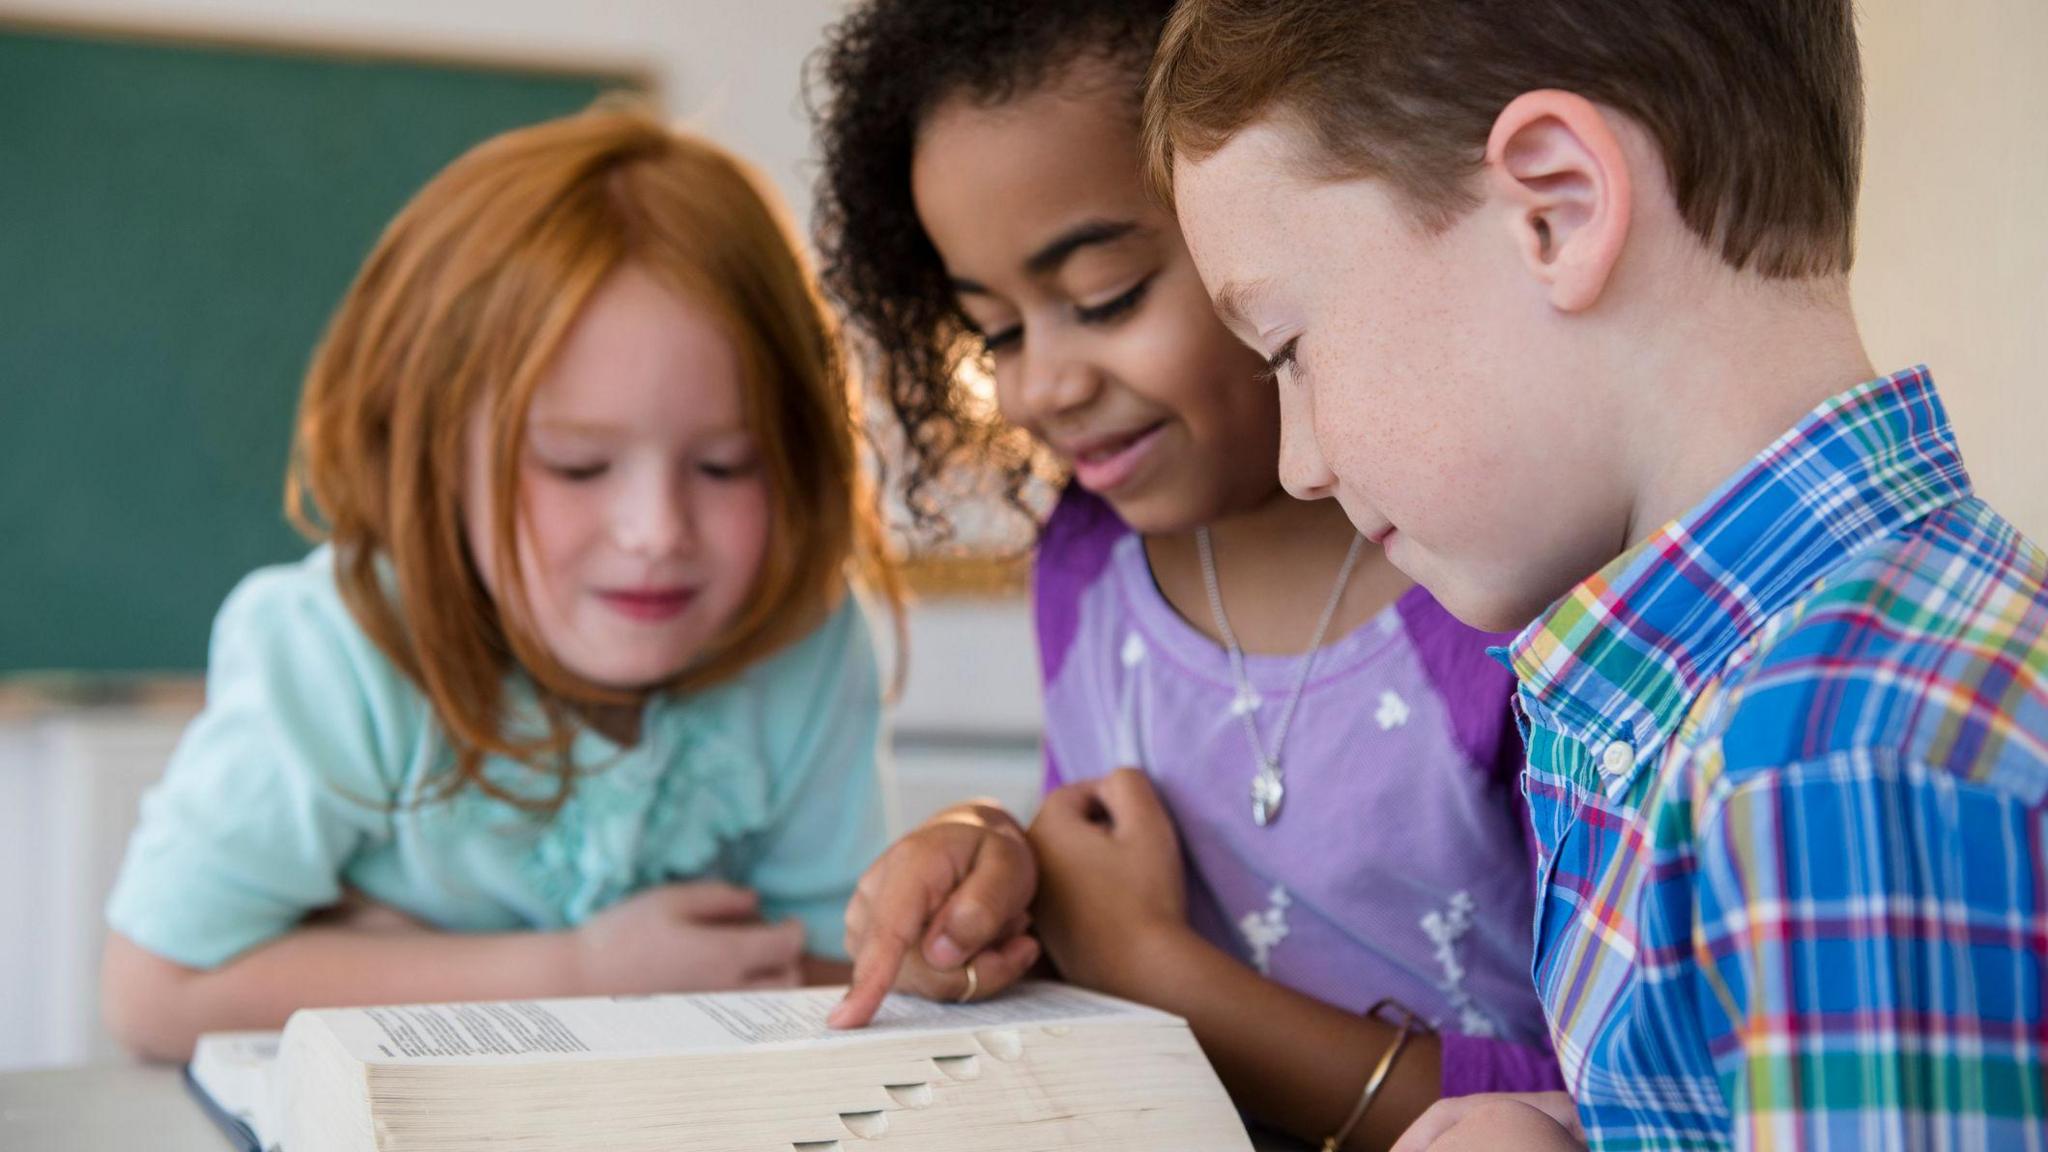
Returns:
(996, 338)
(1115, 305)
(1283, 359)
(985, 330)
(980, 327)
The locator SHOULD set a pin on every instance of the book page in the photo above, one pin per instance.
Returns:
(548, 1030)
(235, 1070)
(782, 1017)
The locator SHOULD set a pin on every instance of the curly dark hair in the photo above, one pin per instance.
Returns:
(883, 68)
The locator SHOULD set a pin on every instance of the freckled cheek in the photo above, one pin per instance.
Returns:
(1348, 435)
(1472, 493)
(1360, 419)
(1400, 458)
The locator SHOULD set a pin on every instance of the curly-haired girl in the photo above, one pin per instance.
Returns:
(1324, 813)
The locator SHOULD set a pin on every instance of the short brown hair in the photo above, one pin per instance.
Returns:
(463, 307)
(1757, 105)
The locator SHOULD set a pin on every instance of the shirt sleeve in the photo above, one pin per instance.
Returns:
(1872, 951)
(1047, 603)
(830, 796)
(271, 790)
(1073, 550)
(1475, 1064)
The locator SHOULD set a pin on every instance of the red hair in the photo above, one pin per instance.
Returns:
(466, 302)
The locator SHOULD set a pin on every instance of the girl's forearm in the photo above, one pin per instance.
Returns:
(1296, 1063)
(159, 1008)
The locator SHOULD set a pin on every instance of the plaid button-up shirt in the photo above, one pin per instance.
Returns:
(1787, 768)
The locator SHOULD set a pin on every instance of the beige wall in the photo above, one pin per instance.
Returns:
(1952, 263)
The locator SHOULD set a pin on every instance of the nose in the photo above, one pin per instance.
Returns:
(1302, 469)
(1053, 378)
(651, 514)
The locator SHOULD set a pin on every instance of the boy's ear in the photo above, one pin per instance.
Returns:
(1556, 160)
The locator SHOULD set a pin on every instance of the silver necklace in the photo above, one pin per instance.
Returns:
(1267, 789)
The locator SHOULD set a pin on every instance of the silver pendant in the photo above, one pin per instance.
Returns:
(1267, 792)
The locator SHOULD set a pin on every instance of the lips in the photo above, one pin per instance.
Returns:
(1105, 463)
(648, 604)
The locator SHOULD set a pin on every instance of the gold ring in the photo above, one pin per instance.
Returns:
(973, 984)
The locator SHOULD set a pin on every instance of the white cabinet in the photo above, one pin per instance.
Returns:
(70, 780)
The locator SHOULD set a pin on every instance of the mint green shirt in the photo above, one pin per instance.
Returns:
(316, 766)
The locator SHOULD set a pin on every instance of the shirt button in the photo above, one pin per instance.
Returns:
(1618, 758)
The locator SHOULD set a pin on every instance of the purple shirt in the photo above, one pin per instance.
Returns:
(1399, 863)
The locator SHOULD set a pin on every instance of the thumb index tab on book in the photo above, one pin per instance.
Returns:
(910, 1095)
(866, 1125)
(1001, 1043)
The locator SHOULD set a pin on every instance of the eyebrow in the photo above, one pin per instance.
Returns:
(1048, 259)
(1234, 300)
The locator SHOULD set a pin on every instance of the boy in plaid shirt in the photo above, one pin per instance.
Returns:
(1557, 296)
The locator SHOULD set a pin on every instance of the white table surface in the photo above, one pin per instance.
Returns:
(103, 1108)
(127, 1108)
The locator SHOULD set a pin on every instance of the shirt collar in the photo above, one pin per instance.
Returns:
(1622, 655)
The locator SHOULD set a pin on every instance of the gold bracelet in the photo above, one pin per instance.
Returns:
(1410, 1026)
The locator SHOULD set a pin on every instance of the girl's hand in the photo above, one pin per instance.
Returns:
(1113, 885)
(702, 936)
(1532, 1120)
(958, 889)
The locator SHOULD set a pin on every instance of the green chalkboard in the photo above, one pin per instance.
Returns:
(177, 221)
